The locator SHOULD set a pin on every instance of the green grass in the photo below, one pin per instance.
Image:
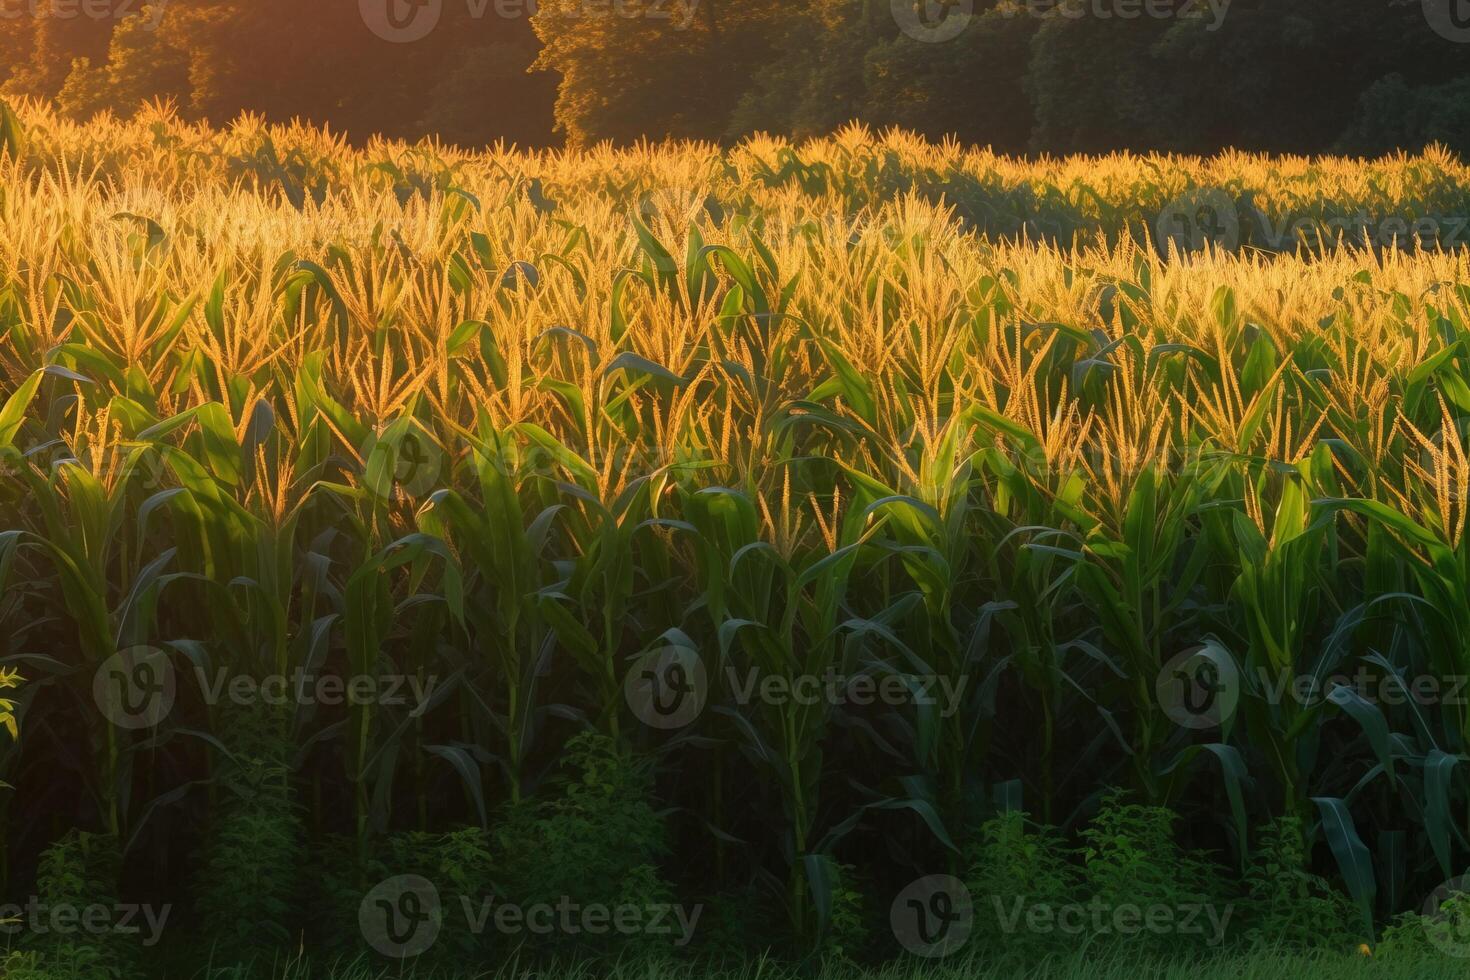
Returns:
(1078, 966)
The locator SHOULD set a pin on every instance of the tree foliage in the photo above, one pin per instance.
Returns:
(1053, 76)
(319, 62)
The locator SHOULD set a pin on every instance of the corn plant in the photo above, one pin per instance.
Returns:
(504, 423)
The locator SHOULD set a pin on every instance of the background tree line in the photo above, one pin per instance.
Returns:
(1271, 75)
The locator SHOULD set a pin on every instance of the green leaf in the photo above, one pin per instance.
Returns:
(12, 134)
(1353, 859)
(469, 775)
(1439, 770)
(14, 411)
(635, 365)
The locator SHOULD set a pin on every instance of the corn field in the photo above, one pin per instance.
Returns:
(551, 438)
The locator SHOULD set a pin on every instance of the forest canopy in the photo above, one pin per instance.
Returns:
(1034, 76)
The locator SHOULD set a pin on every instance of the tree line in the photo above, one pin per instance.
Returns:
(1024, 76)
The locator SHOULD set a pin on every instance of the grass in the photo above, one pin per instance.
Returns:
(1079, 966)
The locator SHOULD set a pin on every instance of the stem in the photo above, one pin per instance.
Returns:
(1047, 736)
